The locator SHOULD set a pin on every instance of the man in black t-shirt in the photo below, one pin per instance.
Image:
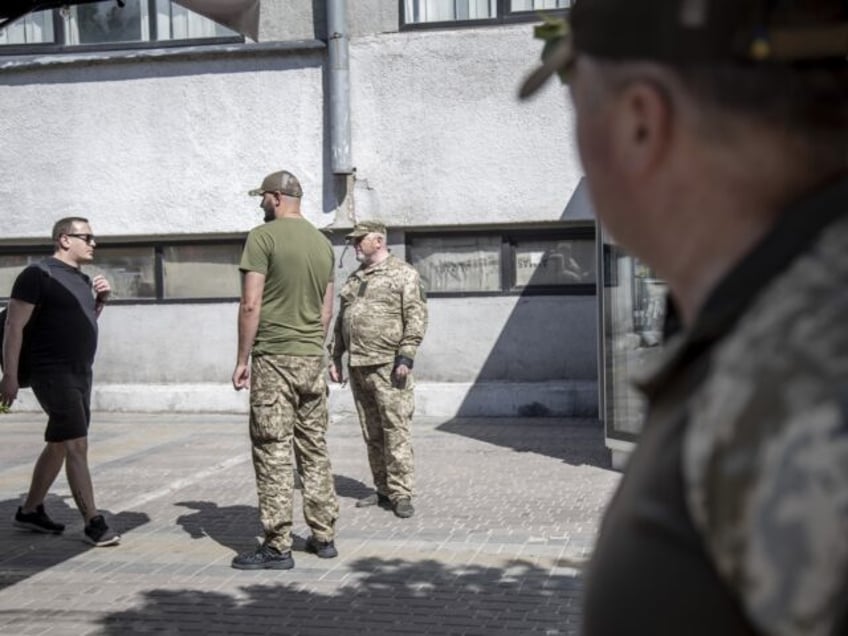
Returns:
(62, 304)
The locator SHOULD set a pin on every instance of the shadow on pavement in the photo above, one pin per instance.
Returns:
(236, 527)
(24, 553)
(576, 441)
(384, 596)
(350, 488)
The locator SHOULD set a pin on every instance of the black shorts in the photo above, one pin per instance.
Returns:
(66, 398)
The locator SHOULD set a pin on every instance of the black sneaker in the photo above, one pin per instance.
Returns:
(374, 499)
(97, 533)
(37, 521)
(264, 558)
(324, 549)
(403, 508)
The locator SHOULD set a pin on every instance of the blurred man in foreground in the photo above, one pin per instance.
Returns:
(714, 136)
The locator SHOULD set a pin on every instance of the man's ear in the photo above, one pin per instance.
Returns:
(644, 127)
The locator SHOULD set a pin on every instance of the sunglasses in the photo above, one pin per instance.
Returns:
(88, 238)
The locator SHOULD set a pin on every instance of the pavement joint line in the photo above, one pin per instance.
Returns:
(179, 484)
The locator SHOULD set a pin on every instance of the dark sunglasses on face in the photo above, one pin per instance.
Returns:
(88, 238)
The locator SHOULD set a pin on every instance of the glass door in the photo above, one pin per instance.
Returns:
(632, 311)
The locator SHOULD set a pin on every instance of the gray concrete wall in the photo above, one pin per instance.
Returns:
(291, 20)
(368, 17)
(307, 19)
(489, 339)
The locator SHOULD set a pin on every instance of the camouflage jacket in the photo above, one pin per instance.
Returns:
(382, 314)
(765, 448)
(742, 467)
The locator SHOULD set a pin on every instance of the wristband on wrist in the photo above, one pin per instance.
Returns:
(399, 360)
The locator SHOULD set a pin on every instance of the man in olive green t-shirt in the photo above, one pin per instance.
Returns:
(284, 314)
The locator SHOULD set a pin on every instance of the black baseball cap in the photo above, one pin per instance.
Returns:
(694, 32)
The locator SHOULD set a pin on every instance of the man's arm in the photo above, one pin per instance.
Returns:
(103, 290)
(337, 346)
(414, 312)
(18, 315)
(252, 286)
(327, 308)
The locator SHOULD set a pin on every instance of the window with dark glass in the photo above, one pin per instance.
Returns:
(148, 272)
(542, 262)
(422, 12)
(554, 261)
(110, 24)
(457, 264)
(201, 271)
(130, 270)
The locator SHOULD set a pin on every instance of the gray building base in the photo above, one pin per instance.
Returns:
(433, 399)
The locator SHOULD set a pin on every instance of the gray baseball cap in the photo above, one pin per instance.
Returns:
(694, 32)
(283, 182)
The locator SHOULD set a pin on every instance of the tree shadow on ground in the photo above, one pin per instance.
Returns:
(379, 596)
(24, 553)
(576, 441)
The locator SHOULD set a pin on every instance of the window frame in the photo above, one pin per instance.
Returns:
(58, 46)
(46, 249)
(503, 15)
(509, 239)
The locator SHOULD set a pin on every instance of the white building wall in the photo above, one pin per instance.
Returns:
(148, 144)
(441, 139)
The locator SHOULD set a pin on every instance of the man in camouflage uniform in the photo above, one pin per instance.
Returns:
(714, 136)
(381, 322)
(284, 315)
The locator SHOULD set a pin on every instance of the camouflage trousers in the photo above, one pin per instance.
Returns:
(385, 415)
(288, 411)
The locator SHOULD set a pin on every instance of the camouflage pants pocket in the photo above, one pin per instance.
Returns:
(271, 414)
(266, 419)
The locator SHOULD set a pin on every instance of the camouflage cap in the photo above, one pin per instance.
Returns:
(681, 32)
(364, 228)
(283, 182)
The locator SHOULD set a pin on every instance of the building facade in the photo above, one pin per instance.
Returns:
(156, 135)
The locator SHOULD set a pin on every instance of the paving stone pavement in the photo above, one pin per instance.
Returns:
(506, 515)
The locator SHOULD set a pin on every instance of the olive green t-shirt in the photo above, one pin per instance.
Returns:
(297, 261)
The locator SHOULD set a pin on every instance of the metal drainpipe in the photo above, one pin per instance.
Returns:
(339, 87)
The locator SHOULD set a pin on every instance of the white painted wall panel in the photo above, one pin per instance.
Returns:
(441, 139)
(166, 147)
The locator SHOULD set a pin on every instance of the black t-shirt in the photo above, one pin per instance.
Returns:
(64, 323)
